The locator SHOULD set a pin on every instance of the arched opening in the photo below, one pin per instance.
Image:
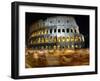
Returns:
(50, 31)
(67, 30)
(63, 30)
(59, 31)
(54, 30)
(67, 39)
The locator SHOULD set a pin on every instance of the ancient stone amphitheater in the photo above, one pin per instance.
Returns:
(56, 32)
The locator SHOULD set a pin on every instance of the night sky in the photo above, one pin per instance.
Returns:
(81, 20)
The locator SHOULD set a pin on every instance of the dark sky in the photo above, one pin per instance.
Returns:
(81, 20)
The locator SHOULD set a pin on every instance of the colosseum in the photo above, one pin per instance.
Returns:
(56, 32)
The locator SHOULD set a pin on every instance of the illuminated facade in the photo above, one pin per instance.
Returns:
(56, 32)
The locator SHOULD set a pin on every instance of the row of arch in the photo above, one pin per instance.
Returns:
(55, 31)
(57, 46)
(56, 39)
(63, 30)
